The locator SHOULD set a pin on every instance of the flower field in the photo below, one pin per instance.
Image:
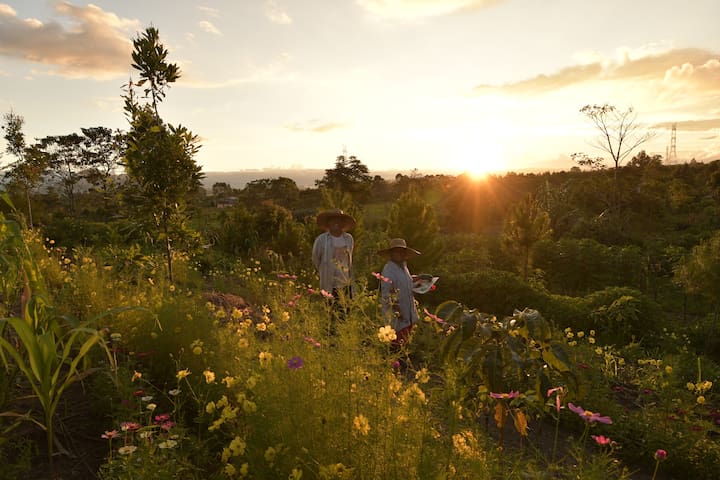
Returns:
(184, 386)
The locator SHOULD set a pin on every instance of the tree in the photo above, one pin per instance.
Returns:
(619, 134)
(526, 225)
(349, 175)
(102, 152)
(28, 169)
(159, 157)
(65, 163)
(699, 272)
(413, 219)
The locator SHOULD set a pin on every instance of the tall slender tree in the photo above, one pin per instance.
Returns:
(27, 171)
(159, 157)
(619, 134)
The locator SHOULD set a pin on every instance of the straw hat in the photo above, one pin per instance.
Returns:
(398, 243)
(324, 219)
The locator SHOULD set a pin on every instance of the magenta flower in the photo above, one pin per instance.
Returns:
(505, 396)
(558, 398)
(295, 362)
(167, 425)
(601, 439)
(163, 417)
(589, 416)
(434, 317)
(396, 364)
(286, 276)
(660, 454)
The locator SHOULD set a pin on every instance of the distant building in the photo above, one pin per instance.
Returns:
(227, 202)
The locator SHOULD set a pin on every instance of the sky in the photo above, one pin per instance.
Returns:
(428, 85)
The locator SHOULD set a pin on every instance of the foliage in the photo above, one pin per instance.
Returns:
(526, 225)
(521, 351)
(159, 158)
(700, 271)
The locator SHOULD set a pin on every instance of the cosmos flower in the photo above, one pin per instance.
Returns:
(295, 362)
(589, 416)
(505, 396)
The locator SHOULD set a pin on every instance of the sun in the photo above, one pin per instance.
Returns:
(478, 163)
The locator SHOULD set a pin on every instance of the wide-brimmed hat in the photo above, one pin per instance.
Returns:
(398, 243)
(324, 218)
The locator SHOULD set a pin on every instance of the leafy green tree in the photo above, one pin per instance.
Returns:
(413, 219)
(699, 272)
(102, 152)
(159, 157)
(527, 224)
(65, 163)
(27, 171)
(349, 175)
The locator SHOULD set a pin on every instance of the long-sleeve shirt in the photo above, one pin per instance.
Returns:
(333, 262)
(398, 302)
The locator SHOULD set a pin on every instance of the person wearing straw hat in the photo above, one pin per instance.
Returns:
(332, 256)
(396, 288)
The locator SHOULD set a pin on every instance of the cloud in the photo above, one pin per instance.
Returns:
(95, 43)
(692, 125)
(407, 10)
(672, 69)
(209, 11)
(315, 126)
(209, 27)
(276, 14)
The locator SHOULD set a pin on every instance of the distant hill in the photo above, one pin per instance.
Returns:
(304, 178)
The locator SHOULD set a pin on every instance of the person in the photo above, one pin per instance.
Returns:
(332, 255)
(396, 289)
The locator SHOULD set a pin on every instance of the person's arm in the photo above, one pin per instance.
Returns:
(317, 251)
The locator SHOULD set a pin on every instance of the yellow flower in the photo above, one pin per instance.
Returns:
(286, 318)
(386, 334)
(228, 381)
(136, 376)
(265, 357)
(261, 327)
(361, 425)
(182, 374)
(422, 376)
(591, 340)
(296, 474)
(229, 470)
(668, 369)
(700, 400)
(210, 407)
(581, 334)
(237, 446)
(270, 454)
(209, 376)
(592, 333)
(690, 386)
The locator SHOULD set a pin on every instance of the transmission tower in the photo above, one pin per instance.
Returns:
(671, 154)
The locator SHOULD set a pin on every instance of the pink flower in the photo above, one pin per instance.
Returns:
(396, 364)
(558, 398)
(601, 439)
(326, 294)
(505, 396)
(167, 425)
(381, 278)
(285, 276)
(163, 417)
(660, 454)
(312, 342)
(589, 416)
(109, 434)
(434, 317)
(129, 426)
